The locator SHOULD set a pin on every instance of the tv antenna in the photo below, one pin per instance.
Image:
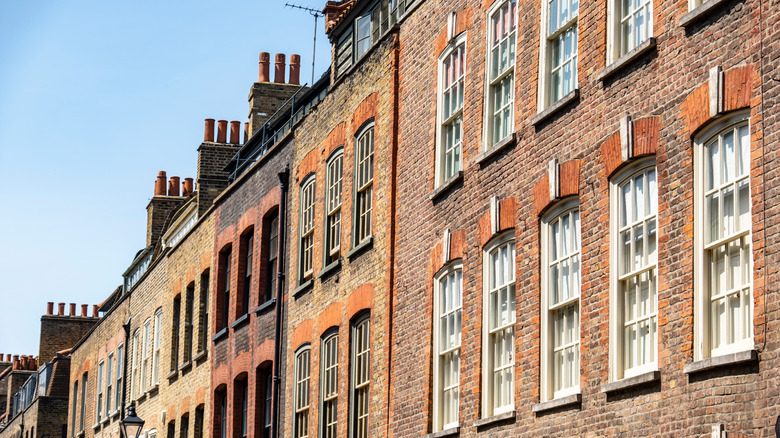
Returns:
(316, 14)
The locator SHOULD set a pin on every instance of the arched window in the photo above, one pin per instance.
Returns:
(447, 323)
(449, 132)
(306, 231)
(333, 177)
(301, 392)
(329, 383)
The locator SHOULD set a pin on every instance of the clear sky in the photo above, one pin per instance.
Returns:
(95, 98)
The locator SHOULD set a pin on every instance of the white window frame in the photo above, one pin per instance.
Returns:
(334, 179)
(547, 359)
(546, 44)
(703, 331)
(120, 369)
(306, 229)
(157, 342)
(617, 311)
(135, 365)
(489, 408)
(489, 139)
(329, 384)
(360, 390)
(147, 345)
(441, 148)
(446, 359)
(364, 185)
(109, 382)
(615, 47)
(301, 392)
(99, 390)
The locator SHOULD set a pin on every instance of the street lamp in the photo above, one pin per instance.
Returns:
(132, 425)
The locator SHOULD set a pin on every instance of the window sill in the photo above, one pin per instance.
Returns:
(96, 426)
(330, 269)
(174, 374)
(701, 12)
(569, 400)
(498, 147)
(105, 420)
(185, 366)
(452, 431)
(270, 304)
(153, 388)
(626, 59)
(558, 105)
(115, 413)
(446, 186)
(141, 397)
(500, 418)
(240, 321)
(80, 434)
(302, 289)
(202, 354)
(631, 382)
(220, 335)
(740, 357)
(368, 242)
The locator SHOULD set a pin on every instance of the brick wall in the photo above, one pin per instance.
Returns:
(61, 333)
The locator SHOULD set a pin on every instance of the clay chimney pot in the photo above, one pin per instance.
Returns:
(72, 309)
(265, 60)
(222, 131)
(84, 309)
(235, 130)
(159, 184)
(173, 186)
(208, 134)
(295, 69)
(50, 308)
(246, 132)
(8, 357)
(187, 188)
(95, 313)
(60, 308)
(279, 70)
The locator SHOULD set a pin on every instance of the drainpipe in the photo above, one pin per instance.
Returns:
(284, 176)
(125, 326)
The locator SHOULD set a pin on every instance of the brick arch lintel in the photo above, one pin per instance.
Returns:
(302, 334)
(364, 112)
(560, 180)
(360, 299)
(501, 216)
(455, 241)
(462, 23)
(634, 139)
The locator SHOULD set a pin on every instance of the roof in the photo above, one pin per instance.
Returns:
(335, 11)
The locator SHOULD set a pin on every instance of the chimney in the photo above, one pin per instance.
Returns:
(95, 310)
(60, 309)
(279, 72)
(235, 129)
(208, 135)
(222, 131)
(50, 308)
(8, 358)
(159, 185)
(72, 309)
(295, 69)
(265, 60)
(187, 188)
(246, 132)
(84, 309)
(173, 186)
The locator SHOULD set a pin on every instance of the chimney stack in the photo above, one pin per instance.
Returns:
(295, 69)
(60, 309)
(279, 72)
(50, 308)
(84, 309)
(95, 313)
(173, 186)
(72, 309)
(265, 60)
(222, 131)
(187, 188)
(208, 134)
(235, 130)
(159, 185)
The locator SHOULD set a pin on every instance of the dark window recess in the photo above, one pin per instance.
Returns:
(175, 333)
(272, 251)
(188, 327)
(248, 253)
(204, 310)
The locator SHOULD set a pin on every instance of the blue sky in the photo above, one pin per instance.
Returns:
(95, 98)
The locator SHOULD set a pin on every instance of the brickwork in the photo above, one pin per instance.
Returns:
(361, 283)
(265, 99)
(61, 333)
(666, 94)
(212, 179)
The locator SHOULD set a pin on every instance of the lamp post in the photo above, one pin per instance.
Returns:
(131, 425)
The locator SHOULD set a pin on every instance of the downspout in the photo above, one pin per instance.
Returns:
(283, 179)
(395, 77)
(125, 326)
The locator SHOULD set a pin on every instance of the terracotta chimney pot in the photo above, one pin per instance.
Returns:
(72, 309)
(246, 132)
(295, 69)
(235, 129)
(8, 358)
(187, 187)
(50, 308)
(60, 308)
(265, 60)
(95, 313)
(159, 184)
(208, 134)
(279, 71)
(84, 309)
(222, 131)
(17, 364)
(173, 186)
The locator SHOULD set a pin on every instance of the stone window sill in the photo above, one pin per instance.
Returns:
(172, 375)
(452, 431)
(330, 269)
(270, 304)
(569, 400)
(631, 382)
(701, 12)
(305, 287)
(153, 388)
(105, 420)
(115, 413)
(446, 186)
(557, 106)
(626, 59)
(80, 434)
(498, 147)
(740, 357)
(200, 355)
(507, 416)
(220, 335)
(368, 242)
(96, 426)
(185, 366)
(240, 321)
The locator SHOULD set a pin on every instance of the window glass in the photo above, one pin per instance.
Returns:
(502, 42)
(500, 328)
(329, 360)
(451, 80)
(364, 177)
(307, 230)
